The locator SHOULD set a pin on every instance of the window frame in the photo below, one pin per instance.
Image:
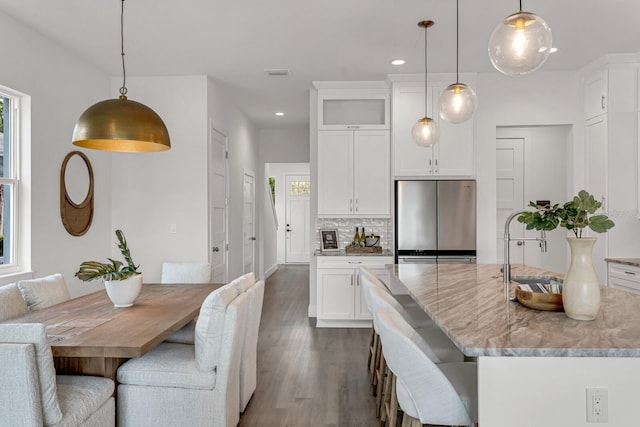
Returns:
(19, 210)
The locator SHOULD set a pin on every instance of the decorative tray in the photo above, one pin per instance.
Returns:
(363, 250)
(540, 296)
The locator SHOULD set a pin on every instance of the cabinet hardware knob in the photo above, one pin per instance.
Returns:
(216, 249)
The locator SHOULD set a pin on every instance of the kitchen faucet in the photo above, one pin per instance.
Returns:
(506, 267)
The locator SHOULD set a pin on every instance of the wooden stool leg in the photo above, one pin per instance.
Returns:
(381, 389)
(374, 357)
(371, 344)
(386, 400)
(378, 354)
(392, 411)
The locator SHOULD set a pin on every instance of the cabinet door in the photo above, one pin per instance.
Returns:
(372, 178)
(335, 173)
(336, 293)
(595, 94)
(361, 310)
(597, 183)
(408, 107)
(453, 154)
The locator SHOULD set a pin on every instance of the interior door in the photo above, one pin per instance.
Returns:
(509, 195)
(248, 222)
(218, 196)
(298, 218)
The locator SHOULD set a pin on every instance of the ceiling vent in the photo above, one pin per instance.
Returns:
(277, 72)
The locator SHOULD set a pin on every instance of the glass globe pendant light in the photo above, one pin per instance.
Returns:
(458, 101)
(120, 124)
(520, 44)
(426, 131)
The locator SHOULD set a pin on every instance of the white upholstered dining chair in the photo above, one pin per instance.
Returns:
(32, 394)
(249, 355)
(11, 302)
(190, 385)
(186, 272)
(428, 393)
(44, 292)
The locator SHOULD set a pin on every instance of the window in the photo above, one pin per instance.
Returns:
(9, 178)
(300, 188)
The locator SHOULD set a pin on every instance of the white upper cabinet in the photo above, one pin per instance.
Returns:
(452, 156)
(608, 90)
(354, 177)
(595, 94)
(358, 105)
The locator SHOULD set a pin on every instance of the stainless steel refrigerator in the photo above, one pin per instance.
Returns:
(435, 221)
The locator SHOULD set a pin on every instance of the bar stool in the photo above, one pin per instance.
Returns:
(431, 340)
(428, 393)
(405, 304)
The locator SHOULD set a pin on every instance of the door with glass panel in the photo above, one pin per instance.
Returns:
(297, 219)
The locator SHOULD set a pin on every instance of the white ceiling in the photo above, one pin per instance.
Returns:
(234, 41)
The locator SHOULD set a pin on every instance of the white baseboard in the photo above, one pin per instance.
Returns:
(270, 271)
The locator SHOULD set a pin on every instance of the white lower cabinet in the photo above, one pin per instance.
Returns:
(624, 277)
(340, 299)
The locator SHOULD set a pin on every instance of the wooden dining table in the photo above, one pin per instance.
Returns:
(89, 336)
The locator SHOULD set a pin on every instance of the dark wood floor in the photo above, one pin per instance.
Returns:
(307, 376)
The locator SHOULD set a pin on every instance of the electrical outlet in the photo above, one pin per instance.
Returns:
(597, 405)
(174, 229)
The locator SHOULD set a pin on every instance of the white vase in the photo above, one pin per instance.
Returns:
(581, 289)
(123, 293)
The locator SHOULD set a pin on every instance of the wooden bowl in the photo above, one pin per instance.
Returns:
(539, 300)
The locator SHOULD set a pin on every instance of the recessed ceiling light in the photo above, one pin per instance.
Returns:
(279, 113)
(398, 62)
(553, 50)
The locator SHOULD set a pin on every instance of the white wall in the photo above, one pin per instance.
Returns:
(537, 99)
(243, 154)
(545, 177)
(61, 87)
(153, 191)
(277, 145)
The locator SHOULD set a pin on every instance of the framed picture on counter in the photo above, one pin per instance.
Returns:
(329, 240)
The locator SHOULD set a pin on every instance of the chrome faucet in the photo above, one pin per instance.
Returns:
(506, 267)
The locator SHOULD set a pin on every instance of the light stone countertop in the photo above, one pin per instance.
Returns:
(635, 262)
(467, 302)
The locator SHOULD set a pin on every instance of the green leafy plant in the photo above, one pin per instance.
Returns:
(113, 270)
(574, 215)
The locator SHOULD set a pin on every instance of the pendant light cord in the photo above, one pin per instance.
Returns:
(425, 71)
(458, 43)
(123, 89)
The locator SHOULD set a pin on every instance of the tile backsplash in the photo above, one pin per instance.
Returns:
(347, 228)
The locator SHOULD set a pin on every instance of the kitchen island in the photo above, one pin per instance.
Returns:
(534, 367)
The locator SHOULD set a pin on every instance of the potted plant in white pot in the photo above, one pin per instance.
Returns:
(580, 289)
(121, 281)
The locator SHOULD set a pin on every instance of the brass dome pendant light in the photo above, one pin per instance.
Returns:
(458, 101)
(426, 131)
(121, 124)
(520, 44)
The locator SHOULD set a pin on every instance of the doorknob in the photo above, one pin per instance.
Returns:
(216, 249)
(288, 230)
